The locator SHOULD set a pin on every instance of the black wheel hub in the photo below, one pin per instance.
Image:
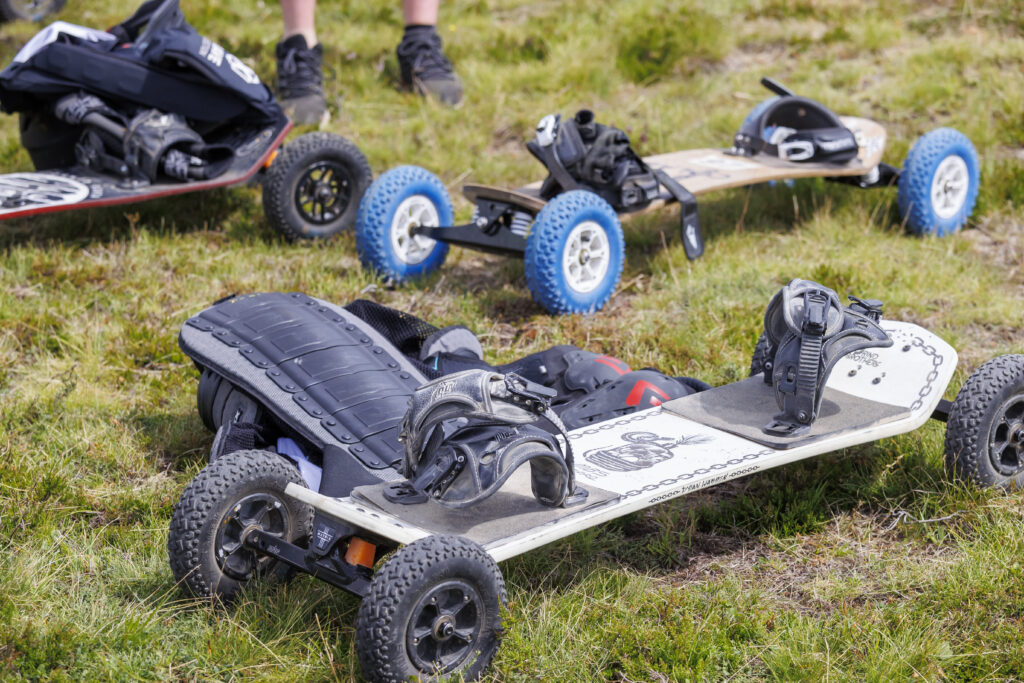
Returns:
(323, 192)
(1006, 442)
(445, 626)
(263, 511)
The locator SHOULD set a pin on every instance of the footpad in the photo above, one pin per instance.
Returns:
(744, 408)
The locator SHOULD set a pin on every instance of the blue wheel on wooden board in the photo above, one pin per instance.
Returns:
(398, 201)
(574, 253)
(938, 185)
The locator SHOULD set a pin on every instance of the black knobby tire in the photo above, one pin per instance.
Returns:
(399, 606)
(218, 401)
(985, 430)
(28, 10)
(758, 358)
(223, 499)
(313, 187)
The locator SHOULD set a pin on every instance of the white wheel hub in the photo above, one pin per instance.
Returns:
(949, 186)
(413, 212)
(586, 257)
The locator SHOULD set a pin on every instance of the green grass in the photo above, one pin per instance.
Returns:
(795, 574)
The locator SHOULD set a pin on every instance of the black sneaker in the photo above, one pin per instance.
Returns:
(300, 80)
(425, 69)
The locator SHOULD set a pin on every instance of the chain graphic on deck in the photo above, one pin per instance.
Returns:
(933, 374)
(612, 424)
(686, 476)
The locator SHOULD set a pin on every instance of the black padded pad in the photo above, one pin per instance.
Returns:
(744, 408)
(328, 362)
(511, 510)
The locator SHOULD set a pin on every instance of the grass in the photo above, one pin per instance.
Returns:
(815, 571)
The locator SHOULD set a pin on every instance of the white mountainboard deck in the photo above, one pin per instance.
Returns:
(655, 455)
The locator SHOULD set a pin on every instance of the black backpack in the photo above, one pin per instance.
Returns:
(154, 60)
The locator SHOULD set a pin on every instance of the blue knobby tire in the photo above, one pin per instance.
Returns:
(400, 198)
(574, 253)
(938, 185)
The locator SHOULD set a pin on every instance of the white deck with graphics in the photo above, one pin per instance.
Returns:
(636, 461)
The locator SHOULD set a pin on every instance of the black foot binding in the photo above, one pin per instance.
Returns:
(424, 68)
(465, 434)
(300, 81)
(807, 332)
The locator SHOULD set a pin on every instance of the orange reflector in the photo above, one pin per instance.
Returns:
(270, 159)
(360, 553)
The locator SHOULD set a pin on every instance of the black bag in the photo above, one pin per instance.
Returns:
(152, 75)
(168, 66)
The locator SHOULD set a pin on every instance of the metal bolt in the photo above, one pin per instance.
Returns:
(876, 380)
(433, 600)
(415, 641)
(802, 416)
(852, 373)
(906, 348)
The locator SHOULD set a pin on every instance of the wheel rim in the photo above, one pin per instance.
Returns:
(445, 626)
(411, 213)
(263, 511)
(949, 186)
(586, 257)
(1006, 440)
(323, 192)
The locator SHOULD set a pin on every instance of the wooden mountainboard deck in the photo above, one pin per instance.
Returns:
(706, 170)
(660, 453)
(37, 192)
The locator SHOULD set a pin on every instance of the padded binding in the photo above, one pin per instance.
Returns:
(811, 133)
(807, 332)
(581, 153)
(467, 433)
